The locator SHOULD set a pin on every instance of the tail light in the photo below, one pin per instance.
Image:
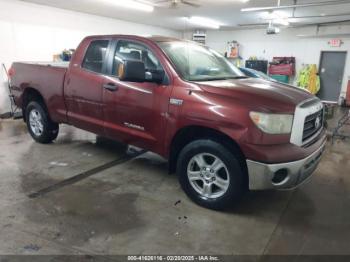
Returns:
(11, 72)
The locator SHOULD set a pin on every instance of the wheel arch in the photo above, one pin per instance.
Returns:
(190, 133)
(31, 94)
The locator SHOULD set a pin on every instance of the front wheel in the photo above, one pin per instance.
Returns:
(210, 174)
(39, 124)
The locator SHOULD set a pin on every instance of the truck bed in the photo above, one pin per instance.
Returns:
(45, 77)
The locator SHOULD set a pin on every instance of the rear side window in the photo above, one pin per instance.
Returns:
(95, 55)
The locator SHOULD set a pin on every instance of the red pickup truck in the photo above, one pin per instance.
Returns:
(222, 132)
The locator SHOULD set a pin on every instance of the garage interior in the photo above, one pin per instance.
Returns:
(88, 195)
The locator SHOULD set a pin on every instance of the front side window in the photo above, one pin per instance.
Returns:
(95, 56)
(128, 50)
(198, 63)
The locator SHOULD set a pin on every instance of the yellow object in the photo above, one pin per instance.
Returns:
(308, 79)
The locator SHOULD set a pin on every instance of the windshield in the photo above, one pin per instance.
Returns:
(198, 63)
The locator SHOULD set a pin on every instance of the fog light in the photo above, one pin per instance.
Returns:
(280, 176)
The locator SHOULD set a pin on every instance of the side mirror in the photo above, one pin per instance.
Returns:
(156, 76)
(132, 70)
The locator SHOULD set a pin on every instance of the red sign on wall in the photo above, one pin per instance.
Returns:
(335, 42)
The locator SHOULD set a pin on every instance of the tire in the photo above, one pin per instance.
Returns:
(222, 168)
(39, 124)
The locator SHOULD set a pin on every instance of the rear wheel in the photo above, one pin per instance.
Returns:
(39, 124)
(210, 174)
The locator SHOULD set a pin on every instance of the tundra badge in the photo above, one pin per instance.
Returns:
(134, 126)
(177, 102)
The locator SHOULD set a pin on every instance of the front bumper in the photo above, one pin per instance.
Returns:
(284, 175)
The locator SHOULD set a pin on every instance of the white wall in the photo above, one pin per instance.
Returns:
(30, 32)
(287, 43)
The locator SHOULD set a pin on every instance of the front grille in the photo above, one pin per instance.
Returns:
(311, 127)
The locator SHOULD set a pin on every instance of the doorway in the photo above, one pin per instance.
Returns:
(331, 71)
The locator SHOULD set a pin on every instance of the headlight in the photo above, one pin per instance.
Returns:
(272, 123)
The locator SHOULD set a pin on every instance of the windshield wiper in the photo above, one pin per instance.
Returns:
(240, 77)
(236, 77)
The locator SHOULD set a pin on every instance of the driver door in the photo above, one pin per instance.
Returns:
(135, 113)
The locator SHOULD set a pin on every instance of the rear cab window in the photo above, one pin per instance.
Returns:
(95, 56)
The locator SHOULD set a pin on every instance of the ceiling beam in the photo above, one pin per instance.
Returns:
(318, 16)
(311, 16)
(257, 9)
(299, 24)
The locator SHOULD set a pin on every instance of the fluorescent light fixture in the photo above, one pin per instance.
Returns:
(204, 22)
(131, 4)
(274, 14)
(281, 21)
(277, 17)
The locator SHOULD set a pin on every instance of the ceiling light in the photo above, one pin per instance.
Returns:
(274, 15)
(281, 21)
(204, 22)
(132, 4)
(277, 17)
(244, 1)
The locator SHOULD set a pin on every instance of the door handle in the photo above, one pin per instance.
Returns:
(111, 87)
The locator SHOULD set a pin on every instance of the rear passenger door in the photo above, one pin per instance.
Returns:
(84, 85)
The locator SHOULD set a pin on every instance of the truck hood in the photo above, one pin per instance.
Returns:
(266, 95)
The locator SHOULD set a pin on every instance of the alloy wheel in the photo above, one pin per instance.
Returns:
(208, 175)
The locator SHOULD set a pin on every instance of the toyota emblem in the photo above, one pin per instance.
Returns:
(317, 122)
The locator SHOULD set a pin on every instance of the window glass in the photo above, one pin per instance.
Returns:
(198, 63)
(135, 51)
(95, 55)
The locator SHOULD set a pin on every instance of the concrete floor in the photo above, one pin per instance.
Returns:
(130, 207)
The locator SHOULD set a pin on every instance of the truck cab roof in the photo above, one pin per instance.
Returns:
(154, 38)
